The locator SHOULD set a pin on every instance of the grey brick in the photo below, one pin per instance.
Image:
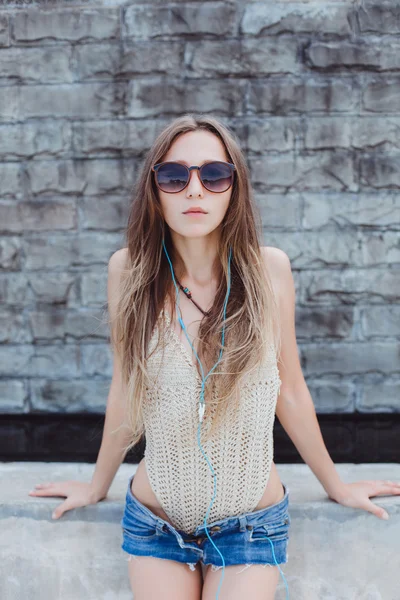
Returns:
(274, 133)
(10, 181)
(54, 287)
(39, 361)
(96, 359)
(362, 53)
(379, 170)
(64, 324)
(13, 396)
(4, 31)
(216, 18)
(65, 25)
(65, 251)
(78, 100)
(43, 138)
(46, 65)
(9, 104)
(49, 252)
(98, 61)
(109, 176)
(281, 96)
(316, 323)
(101, 61)
(351, 286)
(311, 250)
(328, 132)
(14, 289)
(380, 396)
(323, 170)
(372, 132)
(151, 97)
(237, 125)
(37, 216)
(380, 321)
(293, 17)
(350, 358)
(50, 177)
(69, 396)
(115, 137)
(258, 56)
(279, 210)
(370, 209)
(96, 248)
(156, 2)
(379, 16)
(332, 395)
(80, 177)
(108, 214)
(13, 327)
(380, 248)
(152, 57)
(10, 254)
(381, 94)
(94, 287)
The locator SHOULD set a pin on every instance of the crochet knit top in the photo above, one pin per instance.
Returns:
(240, 453)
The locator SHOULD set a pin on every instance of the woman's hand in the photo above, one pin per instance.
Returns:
(357, 494)
(76, 493)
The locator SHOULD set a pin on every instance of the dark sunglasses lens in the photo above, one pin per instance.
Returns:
(217, 177)
(172, 177)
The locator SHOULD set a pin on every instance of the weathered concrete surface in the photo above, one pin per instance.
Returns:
(335, 552)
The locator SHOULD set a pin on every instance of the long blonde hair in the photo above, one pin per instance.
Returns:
(146, 285)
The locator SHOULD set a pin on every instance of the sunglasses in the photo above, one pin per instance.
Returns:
(172, 177)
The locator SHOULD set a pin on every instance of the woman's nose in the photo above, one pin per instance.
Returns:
(194, 185)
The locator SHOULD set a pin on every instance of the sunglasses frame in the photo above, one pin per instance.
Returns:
(154, 168)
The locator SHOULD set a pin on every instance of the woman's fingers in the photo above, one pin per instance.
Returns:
(62, 508)
(46, 489)
(386, 489)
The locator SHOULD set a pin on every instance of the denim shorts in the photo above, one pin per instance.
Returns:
(258, 537)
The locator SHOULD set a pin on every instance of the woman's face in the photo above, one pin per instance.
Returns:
(195, 148)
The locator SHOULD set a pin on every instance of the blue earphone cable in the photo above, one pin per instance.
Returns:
(202, 409)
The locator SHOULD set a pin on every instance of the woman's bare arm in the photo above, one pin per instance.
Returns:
(111, 453)
(295, 408)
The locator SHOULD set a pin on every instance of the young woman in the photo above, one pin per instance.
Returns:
(205, 355)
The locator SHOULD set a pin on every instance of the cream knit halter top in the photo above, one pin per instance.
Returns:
(241, 456)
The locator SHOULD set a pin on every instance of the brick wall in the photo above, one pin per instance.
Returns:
(312, 89)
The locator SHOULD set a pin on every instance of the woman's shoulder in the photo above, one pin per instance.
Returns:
(116, 269)
(118, 260)
(274, 257)
(278, 267)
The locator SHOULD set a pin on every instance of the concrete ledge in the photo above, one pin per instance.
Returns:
(335, 553)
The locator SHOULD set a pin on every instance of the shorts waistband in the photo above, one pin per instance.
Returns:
(273, 511)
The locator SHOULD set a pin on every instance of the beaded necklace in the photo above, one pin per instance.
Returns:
(188, 293)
